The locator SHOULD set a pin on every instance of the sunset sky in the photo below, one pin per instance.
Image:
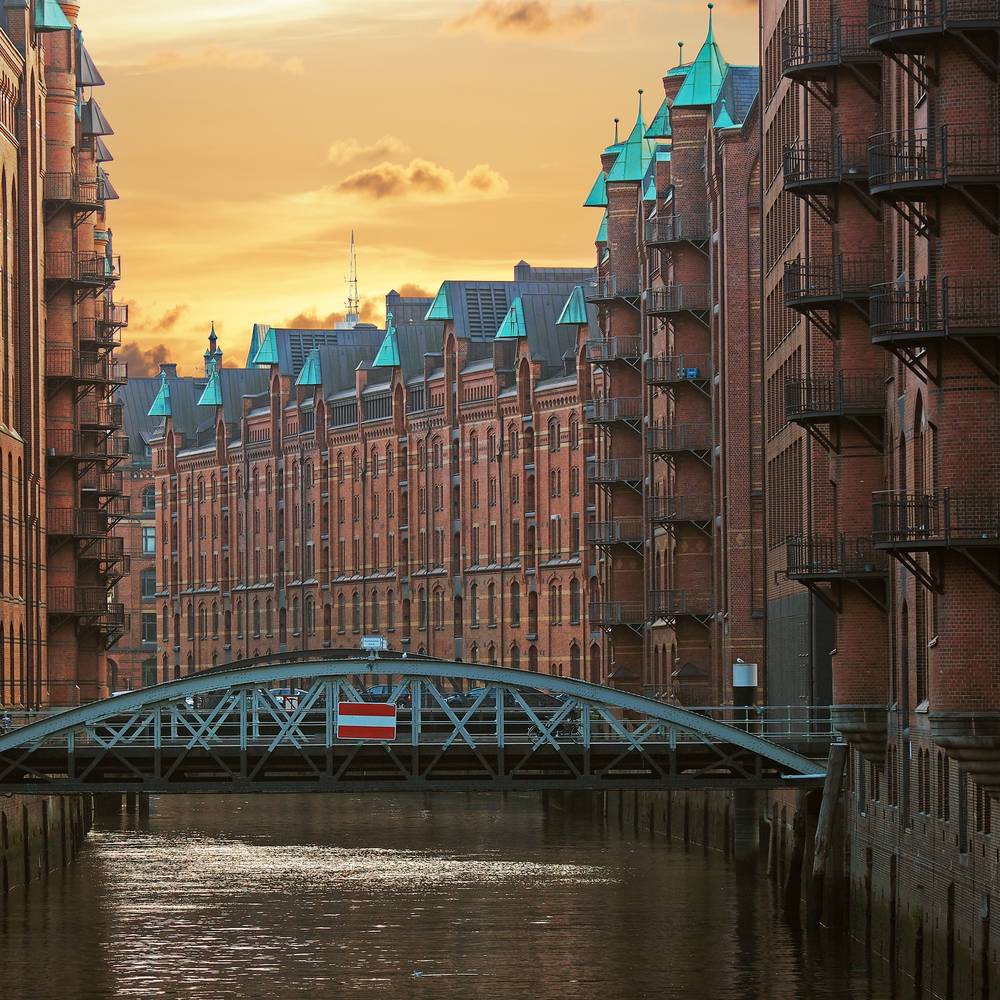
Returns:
(454, 136)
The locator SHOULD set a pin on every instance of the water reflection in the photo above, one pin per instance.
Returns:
(443, 896)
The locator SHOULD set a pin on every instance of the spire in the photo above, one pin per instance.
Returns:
(212, 395)
(388, 353)
(616, 132)
(705, 76)
(161, 404)
(680, 53)
(513, 325)
(353, 311)
(636, 153)
(598, 197)
(213, 356)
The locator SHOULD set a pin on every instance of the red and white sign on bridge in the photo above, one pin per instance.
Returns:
(363, 720)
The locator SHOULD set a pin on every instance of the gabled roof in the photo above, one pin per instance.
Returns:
(267, 353)
(93, 120)
(311, 373)
(598, 197)
(513, 325)
(87, 73)
(212, 395)
(739, 91)
(440, 307)
(636, 153)
(704, 78)
(49, 16)
(659, 127)
(160, 407)
(388, 352)
(548, 341)
(574, 312)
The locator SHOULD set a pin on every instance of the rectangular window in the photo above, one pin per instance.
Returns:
(149, 626)
(148, 582)
(148, 541)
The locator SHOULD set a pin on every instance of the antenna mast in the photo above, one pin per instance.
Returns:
(353, 303)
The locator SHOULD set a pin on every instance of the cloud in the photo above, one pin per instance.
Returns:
(310, 319)
(223, 57)
(143, 361)
(421, 178)
(527, 18)
(346, 151)
(411, 291)
(167, 321)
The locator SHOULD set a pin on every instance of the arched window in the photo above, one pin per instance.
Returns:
(390, 610)
(474, 605)
(296, 625)
(515, 656)
(190, 620)
(515, 604)
(310, 621)
(574, 660)
(388, 459)
(356, 611)
(422, 608)
(341, 613)
(491, 605)
(269, 617)
(474, 653)
(256, 617)
(574, 601)
(491, 446)
(555, 434)
(474, 448)
(553, 603)
(374, 464)
(574, 434)
(532, 657)
(215, 619)
(491, 653)
(532, 613)
(374, 608)
(340, 468)
(512, 442)
(149, 500)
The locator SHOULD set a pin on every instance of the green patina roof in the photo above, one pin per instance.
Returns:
(160, 407)
(267, 353)
(513, 325)
(724, 119)
(650, 193)
(312, 372)
(598, 197)
(663, 156)
(574, 313)
(636, 153)
(212, 396)
(615, 147)
(706, 74)
(602, 232)
(49, 16)
(659, 127)
(440, 307)
(388, 352)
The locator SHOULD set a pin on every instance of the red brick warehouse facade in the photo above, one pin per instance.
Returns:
(59, 497)
(424, 482)
(881, 370)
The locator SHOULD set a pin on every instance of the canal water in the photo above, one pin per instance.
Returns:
(410, 897)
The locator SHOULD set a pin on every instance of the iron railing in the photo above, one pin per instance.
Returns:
(674, 368)
(78, 523)
(826, 558)
(668, 299)
(614, 349)
(111, 313)
(679, 603)
(612, 613)
(68, 187)
(669, 509)
(928, 17)
(82, 267)
(914, 520)
(663, 440)
(775, 722)
(107, 484)
(825, 163)
(614, 470)
(85, 445)
(621, 531)
(921, 310)
(933, 157)
(691, 227)
(85, 601)
(609, 411)
(65, 362)
(615, 286)
(824, 46)
(815, 281)
(100, 414)
(830, 396)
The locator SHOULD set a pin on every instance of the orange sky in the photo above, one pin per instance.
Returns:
(455, 137)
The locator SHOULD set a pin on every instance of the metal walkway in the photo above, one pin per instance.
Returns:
(271, 725)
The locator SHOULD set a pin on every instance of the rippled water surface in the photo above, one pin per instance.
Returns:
(411, 897)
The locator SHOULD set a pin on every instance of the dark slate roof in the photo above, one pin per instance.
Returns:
(415, 341)
(406, 310)
(136, 397)
(237, 383)
(739, 91)
(548, 342)
(294, 345)
(339, 362)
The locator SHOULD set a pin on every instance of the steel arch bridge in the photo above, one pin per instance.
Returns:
(271, 726)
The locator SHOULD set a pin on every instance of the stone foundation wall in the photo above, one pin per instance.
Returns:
(39, 834)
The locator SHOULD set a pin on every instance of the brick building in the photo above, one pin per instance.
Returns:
(424, 482)
(59, 496)
(678, 528)
(881, 316)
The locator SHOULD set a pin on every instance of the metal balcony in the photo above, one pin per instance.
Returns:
(627, 349)
(821, 167)
(913, 25)
(668, 230)
(679, 369)
(910, 165)
(90, 368)
(919, 315)
(106, 485)
(111, 314)
(669, 300)
(86, 602)
(621, 531)
(611, 471)
(822, 284)
(615, 286)
(82, 268)
(620, 409)
(60, 189)
(856, 398)
(98, 335)
(673, 604)
(679, 438)
(86, 446)
(813, 51)
(609, 614)
(73, 523)
(667, 510)
(919, 522)
(825, 559)
(100, 414)
(108, 552)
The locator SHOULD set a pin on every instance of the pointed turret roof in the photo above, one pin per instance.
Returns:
(602, 232)
(312, 372)
(598, 197)
(574, 312)
(49, 16)
(724, 119)
(440, 307)
(705, 77)
(160, 406)
(105, 189)
(659, 127)
(101, 152)
(267, 353)
(513, 325)
(650, 193)
(212, 396)
(388, 353)
(87, 73)
(93, 120)
(636, 153)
